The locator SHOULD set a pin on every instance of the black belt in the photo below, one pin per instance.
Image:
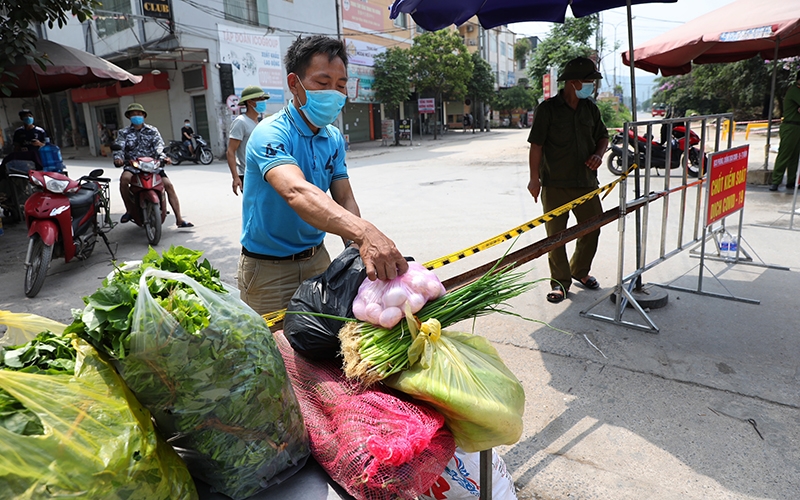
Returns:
(304, 255)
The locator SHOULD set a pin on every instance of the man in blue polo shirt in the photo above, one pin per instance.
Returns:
(293, 159)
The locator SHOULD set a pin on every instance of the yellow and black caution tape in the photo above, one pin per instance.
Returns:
(277, 316)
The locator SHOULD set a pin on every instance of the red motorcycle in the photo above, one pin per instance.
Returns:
(149, 196)
(64, 218)
(673, 146)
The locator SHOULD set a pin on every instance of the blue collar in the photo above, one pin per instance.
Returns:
(297, 120)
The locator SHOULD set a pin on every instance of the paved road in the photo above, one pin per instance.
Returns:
(632, 415)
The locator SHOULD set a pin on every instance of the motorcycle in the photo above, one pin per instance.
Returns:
(15, 188)
(149, 195)
(178, 151)
(64, 219)
(674, 145)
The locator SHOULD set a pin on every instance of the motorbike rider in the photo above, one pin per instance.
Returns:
(142, 140)
(28, 137)
(187, 136)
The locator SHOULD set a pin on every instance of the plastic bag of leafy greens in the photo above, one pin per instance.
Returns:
(207, 367)
(93, 439)
(463, 377)
(22, 327)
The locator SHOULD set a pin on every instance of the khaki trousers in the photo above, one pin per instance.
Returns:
(561, 269)
(268, 285)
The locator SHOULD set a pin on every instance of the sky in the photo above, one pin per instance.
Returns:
(650, 20)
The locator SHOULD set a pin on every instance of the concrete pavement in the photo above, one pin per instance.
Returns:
(612, 413)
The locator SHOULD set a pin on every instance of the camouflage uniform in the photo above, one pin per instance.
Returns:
(138, 143)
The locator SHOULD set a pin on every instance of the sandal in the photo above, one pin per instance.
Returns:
(185, 223)
(588, 282)
(125, 218)
(556, 295)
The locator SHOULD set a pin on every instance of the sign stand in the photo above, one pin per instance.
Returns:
(725, 187)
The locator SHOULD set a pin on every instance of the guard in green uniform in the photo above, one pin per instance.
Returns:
(789, 150)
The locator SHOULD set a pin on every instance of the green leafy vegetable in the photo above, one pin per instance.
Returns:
(48, 353)
(204, 364)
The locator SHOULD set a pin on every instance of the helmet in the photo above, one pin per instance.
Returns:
(134, 106)
(253, 92)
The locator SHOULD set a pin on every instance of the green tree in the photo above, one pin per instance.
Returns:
(514, 98)
(480, 87)
(19, 18)
(564, 42)
(521, 50)
(440, 64)
(391, 85)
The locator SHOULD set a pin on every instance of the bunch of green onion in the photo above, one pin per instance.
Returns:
(372, 353)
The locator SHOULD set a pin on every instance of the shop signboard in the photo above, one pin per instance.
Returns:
(426, 105)
(360, 80)
(363, 15)
(255, 59)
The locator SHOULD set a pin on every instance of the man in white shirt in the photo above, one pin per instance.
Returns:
(254, 99)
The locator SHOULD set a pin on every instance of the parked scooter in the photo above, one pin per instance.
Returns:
(178, 151)
(658, 151)
(64, 218)
(149, 196)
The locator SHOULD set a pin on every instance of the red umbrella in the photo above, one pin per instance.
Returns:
(65, 68)
(737, 31)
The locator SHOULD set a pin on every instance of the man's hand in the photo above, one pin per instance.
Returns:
(534, 188)
(594, 161)
(381, 257)
(237, 184)
(167, 161)
(118, 162)
(37, 143)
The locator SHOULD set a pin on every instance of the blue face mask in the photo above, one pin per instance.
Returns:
(137, 120)
(261, 106)
(585, 91)
(322, 106)
(28, 120)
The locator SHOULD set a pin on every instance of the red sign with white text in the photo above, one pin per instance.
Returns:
(546, 86)
(727, 180)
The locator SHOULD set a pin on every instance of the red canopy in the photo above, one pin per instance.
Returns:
(737, 31)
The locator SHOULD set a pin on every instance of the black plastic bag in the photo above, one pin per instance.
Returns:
(332, 292)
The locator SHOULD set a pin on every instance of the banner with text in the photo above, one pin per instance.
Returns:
(727, 180)
(363, 15)
(255, 59)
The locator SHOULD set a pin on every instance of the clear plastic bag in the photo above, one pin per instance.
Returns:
(220, 396)
(98, 441)
(384, 303)
(463, 377)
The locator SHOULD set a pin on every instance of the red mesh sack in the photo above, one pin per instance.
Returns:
(372, 443)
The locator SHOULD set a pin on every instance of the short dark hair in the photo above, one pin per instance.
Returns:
(24, 112)
(298, 57)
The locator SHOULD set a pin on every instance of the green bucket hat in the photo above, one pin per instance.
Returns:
(134, 106)
(253, 92)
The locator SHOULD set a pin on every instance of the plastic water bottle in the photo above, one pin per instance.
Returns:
(725, 245)
(733, 246)
(50, 155)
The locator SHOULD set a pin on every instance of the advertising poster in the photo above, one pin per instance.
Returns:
(255, 59)
(362, 53)
(363, 15)
(359, 84)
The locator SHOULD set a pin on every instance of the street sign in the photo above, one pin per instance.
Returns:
(232, 102)
(426, 105)
(727, 180)
(405, 129)
(546, 85)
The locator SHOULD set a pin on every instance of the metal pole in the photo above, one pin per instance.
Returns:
(771, 103)
(486, 474)
(635, 142)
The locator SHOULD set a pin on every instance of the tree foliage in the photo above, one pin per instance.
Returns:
(517, 97)
(440, 64)
(521, 49)
(740, 87)
(564, 42)
(20, 16)
(391, 85)
(481, 86)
